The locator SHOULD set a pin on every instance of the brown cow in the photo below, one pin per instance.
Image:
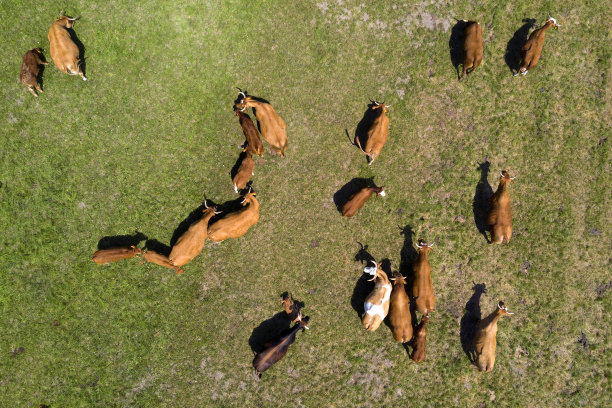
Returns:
(237, 223)
(252, 142)
(472, 47)
(272, 126)
(532, 50)
(485, 339)
(500, 218)
(190, 244)
(30, 69)
(245, 172)
(63, 50)
(161, 260)
(378, 133)
(420, 340)
(399, 310)
(104, 256)
(376, 305)
(357, 200)
(422, 287)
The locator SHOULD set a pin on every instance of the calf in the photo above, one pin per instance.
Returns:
(532, 50)
(422, 288)
(236, 224)
(376, 305)
(104, 256)
(485, 338)
(63, 50)
(245, 172)
(378, 133)
(190, 244)
(30, 69)
(472, 47)
(499, 218)
(420, 340)
(357, 200)
(399, 310)
(161, 260)
(272, 126)
(252, 142)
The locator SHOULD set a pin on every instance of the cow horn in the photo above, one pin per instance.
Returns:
(548, 16)
(387, 106)
(512, 178)
(418, 245)
(374, 262)
(217, 212)
(74, 18)
(430, 245)
(205, 205)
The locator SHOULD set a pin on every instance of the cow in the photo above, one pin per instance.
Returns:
(422, 287)
(190, 244)
(499, 218)
(376, 305)
(485, 338)
(272, 126)
(472, 47)
(63, 50)
(357, 200)
(276, 348)
(161, 260)
(532, 49)
(30, 69)
(104, 256)
(399, 310)
(237, 223)
(420, 340)
(252, 142)
(245, 172)
(378, 133)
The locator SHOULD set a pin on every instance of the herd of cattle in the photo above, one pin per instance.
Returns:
(386, 298)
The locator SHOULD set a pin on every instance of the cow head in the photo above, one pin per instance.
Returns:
(249, 196)
(66, 21)
(398, 278)
(381, 105)
(505, 177)
(422, 245)
(555, 25)
(502, 309)
(242, 101)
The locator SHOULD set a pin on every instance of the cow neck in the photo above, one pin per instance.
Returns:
(503, 187)
(423, 255)
(546, 26)
(253, 202)
(491, 320)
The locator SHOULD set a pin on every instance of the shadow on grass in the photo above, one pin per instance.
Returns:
(469, 321)
(455, 45)
(81, 48)
(513, 48)
(341, 196)
(407, 257)
(116, 241)
(158, 247)
(362, 287)
(482, 199)
(271, 328)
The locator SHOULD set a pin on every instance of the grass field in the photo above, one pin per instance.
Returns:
(135, 149)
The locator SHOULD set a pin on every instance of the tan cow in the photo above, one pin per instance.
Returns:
(190, 244)
(422, 287)
(378, 133)
(104, 256)
(237, 223)
(245, 172)
(30, 69)
(376, 305)
(420, 340)
(500, 217)
(472, 47)
(272, 126)
(63, 50)
(485, 339)
(357, 200)
(161, 260)
(252, 142)
(399, 310)
(532, 50)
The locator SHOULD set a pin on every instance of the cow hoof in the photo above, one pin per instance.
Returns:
(84, 78)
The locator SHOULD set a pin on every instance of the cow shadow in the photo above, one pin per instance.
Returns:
(469, 321)
(482, 199)
(346, 191)
(271, 328)
(365, 124)
(193, 216)
(158, 247)
(41, 71)
(513, 48)
(455, 45)
(116, 241)
(407, 256)
(234, 169)
(362, 287)
(81, 48)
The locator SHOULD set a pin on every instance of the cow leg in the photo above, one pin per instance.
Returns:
(31, 89)
(38, 88)
(370, 159)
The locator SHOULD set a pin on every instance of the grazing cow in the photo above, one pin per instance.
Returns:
(422, 288)
(292, 310)
(275, 349)
(472, 47)
(63, 50)
(30, 69)
(104, 256)
(399, 310)
(531, 51)
(236, 224)
(376, 305)
(272, 126)
(485, 338)
(378, 133)
(245, 172)
(420, 340)
(190, 244)
(161, 260)
(500, 218)
(252, 142)
(357, 200)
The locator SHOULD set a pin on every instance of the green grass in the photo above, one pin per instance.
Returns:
(138, 146)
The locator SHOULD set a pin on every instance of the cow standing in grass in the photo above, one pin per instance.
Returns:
(252, 142)
(473, 46)
(532, 50)
(30, 69)
(104, 256)
(422, 287)
(376, 305)
(485, 340)
(378, 133)
(399, 310)
(190, 244)
(64, 52)
(237, 223)
(357, 200)
(272, 126)
(499, 218)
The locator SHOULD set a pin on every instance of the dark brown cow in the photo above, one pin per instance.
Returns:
(252, 142)
(30, 69)
(63, 50)
(272, 126)
(472, 47)
(245, 172)
(357, 200)
(532, 50)
(104, 256)
(420, 340)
